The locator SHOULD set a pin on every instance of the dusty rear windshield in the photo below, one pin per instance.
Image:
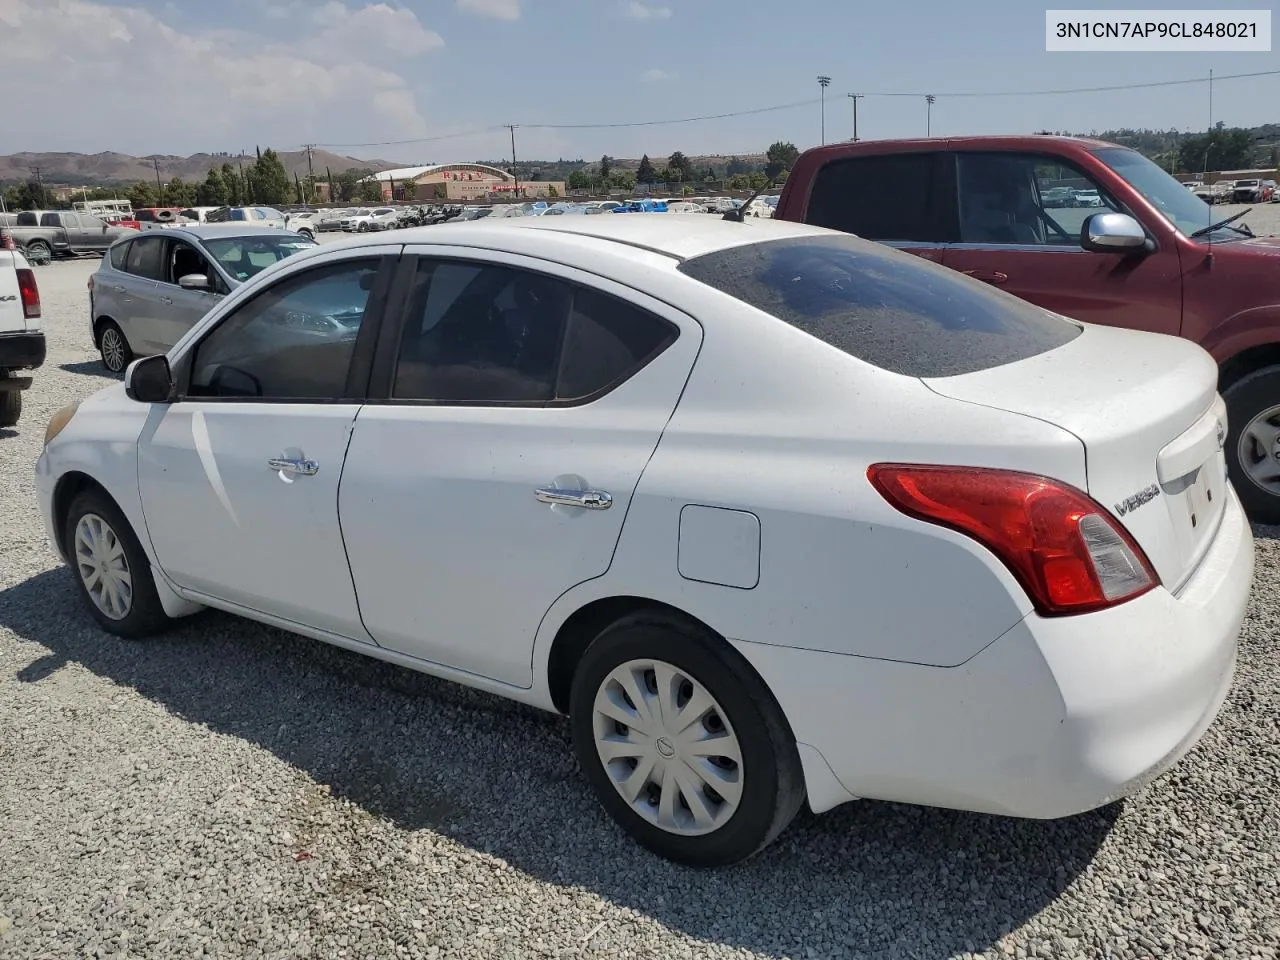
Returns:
(890, 309)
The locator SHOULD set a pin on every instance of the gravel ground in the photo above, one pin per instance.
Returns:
(234, 791)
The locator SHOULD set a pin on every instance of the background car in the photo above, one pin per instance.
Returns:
(151, 289)
(604, 432)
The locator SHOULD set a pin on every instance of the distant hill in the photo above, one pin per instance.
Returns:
(107, 169)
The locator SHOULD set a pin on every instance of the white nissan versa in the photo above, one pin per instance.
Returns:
(769, 511)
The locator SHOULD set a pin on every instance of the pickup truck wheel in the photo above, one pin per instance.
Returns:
(10, 407)
(114, 347)
(39, 252)
(1253, 443)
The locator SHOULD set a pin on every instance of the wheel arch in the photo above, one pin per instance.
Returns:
(1250, 360)
(69, 486)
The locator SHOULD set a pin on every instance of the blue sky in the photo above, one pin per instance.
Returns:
(180, 76)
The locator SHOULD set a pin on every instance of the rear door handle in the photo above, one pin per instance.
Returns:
(300, 467)
(587, 499)
(166, 300)
(987, 276)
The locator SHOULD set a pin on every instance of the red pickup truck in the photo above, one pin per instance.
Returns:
(1087, 229)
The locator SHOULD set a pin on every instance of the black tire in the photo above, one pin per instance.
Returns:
(772, 779)
(113, 361)
(145, 616)
(10, 407)
(307, 233)
(39, 252)
(1247, 399)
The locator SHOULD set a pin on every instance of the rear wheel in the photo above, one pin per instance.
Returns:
(114, 347)
(39, 252)
(1253, 443)
(307, 233)
(10, 406)
(682, 743)
(112, 571)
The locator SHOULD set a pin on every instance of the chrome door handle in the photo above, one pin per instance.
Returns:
(302, 467)
(587, 499)
(166, 300)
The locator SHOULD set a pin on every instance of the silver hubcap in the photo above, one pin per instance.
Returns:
(112, 350)
(1259, 450)
(102, 566)
(668, 747)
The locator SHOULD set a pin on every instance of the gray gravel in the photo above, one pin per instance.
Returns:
(234, 791)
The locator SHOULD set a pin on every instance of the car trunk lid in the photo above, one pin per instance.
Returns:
(1147, 410)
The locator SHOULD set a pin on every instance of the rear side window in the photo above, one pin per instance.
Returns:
(887, 308)
(889, 197)
(146, 258)
(118, 253)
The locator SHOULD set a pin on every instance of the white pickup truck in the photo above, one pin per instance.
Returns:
(21, 337)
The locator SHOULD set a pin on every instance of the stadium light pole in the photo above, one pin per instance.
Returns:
(855, 97)
(824, 82)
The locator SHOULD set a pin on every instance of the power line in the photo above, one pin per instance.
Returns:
(798, 104)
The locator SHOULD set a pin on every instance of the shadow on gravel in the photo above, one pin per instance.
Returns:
(871, 880)
(7, 432)
(91, 368)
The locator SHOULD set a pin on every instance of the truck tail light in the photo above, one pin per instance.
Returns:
(6, 241)
(30, 293)
(1063, 547)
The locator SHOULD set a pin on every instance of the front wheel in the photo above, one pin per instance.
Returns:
(112, 571)
(682, 743)
(1252, 446)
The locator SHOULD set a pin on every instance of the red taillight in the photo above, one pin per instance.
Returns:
(1063, 547)
(6, 241)
(30, 294)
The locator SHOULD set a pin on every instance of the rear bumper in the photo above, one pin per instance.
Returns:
(22, 351)
(1056, 717)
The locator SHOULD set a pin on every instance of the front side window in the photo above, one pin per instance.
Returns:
(1024, 199)
(243, 257)
(884, 307)
(881, 197)
(293, 341)
(146, 258)
(487, 334)
(185, 260)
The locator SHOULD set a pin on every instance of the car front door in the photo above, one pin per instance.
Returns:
(239, 476)
(183, 308)
(1011, 239)
(904, 200)
(509, 422)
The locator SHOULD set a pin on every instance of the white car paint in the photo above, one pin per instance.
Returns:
(907, 659)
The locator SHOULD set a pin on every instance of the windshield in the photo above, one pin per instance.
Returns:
(243, 257)
(1182, 208)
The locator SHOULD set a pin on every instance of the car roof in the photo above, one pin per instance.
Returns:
(675, 235)
(213, 231)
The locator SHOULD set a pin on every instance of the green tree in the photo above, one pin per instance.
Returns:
(371, 191)
(669, 175)
(213, 192)
(552, 192)
(141, 194)
(579, 180)
(1219, 149)
(271, 182)
(606, 166)
(680, 163)
(646, 173)
(780, 156)
(622, 180)
(179, 193)
(232, 186)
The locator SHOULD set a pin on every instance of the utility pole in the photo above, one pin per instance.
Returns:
(512, 128)
(39, 184)
(855, 97)
(155, 162)
(824, 82)
(309, 147)
(1211, 101)
(928, 114)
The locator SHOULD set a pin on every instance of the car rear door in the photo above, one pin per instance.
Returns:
(512, 411)
(138, 294)
(905, 200)
(1010, 239)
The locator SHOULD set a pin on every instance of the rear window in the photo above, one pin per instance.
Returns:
(887, 308)
(882, 197)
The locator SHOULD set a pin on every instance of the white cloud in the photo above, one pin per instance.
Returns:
(213, 90)
(645, 11)
(493, 9)
(656, 76)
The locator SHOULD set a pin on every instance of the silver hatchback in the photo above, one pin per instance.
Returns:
(152, 288)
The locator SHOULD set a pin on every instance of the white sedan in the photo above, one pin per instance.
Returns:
(772, 513)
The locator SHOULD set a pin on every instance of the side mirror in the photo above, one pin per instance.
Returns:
(1113, 233)
(149, 380)
(194, 281)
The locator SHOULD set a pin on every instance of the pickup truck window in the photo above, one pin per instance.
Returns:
(881, 197)
(1182, 208)
(1024, 199)
(884, 307)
